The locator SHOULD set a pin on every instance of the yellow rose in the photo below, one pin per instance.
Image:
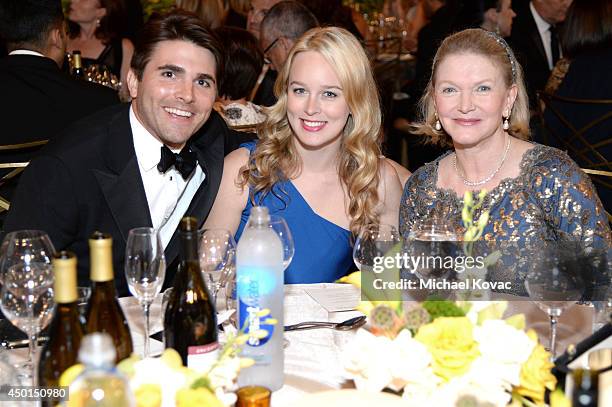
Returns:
(196, 397)
(451, 344)
(536, 376)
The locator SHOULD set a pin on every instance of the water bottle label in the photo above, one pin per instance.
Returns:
(249, 317)
(201, 358)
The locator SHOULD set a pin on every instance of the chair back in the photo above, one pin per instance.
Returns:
(583, 128)
(14, 158)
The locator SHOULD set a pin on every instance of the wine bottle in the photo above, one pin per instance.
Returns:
(260, 282)
(65, 330)
(103, 311)
(77, 65)
(190, 321)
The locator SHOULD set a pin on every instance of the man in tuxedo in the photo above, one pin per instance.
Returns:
(38, 100)
(535, 39)
(145, 164)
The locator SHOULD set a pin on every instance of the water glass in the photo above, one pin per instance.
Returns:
(26, 297)
(217, 250)
(145, 270)
(374, 241)
(279, 225)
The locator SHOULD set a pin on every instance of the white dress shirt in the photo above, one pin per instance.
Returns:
(544, 30)
(168, 195)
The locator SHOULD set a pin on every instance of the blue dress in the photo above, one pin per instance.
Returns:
(323, 251)
(550, 200)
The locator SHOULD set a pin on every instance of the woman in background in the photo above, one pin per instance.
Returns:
(317, 162)
(243, 63)
(95, 29)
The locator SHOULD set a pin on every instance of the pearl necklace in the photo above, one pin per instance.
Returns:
(487, 179)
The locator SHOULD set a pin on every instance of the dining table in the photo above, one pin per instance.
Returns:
(313, 358)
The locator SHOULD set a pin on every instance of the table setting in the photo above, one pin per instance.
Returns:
(341, 341)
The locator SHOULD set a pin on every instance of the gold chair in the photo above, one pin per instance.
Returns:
(245, 128)
(14, 168)
(578, 140)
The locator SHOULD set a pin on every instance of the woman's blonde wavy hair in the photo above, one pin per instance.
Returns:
(276, 159)
(479, 42)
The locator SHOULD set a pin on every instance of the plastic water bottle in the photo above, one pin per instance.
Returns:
(100, 384)
(260, 285)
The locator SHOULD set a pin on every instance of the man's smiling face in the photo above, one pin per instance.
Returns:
(175, 96)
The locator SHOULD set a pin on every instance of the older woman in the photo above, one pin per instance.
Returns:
(476, 103)
(96, 27)
(317, 162)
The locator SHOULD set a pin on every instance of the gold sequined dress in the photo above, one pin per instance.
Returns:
(550, 200)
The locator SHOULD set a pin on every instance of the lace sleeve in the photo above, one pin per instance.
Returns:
(570, 202)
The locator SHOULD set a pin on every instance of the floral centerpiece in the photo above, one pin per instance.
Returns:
(449, 353)
(443, 353)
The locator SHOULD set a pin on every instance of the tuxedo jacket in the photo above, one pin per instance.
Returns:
(39, 100)
(527, 44)
(88, 179)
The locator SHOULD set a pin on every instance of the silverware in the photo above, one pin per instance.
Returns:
(347, 325)
(22, 343)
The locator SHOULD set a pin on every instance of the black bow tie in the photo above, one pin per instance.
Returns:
(184, 162)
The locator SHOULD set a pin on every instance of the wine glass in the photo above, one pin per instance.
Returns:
(145, 270)
(374, 242)
(554, 284)
(280, 227)
(26, 297)
(431, 237)
(217, 250)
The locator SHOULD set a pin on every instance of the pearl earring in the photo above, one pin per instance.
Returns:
(437, 124)
(506, 124)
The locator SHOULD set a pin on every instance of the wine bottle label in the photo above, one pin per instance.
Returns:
(201, 358)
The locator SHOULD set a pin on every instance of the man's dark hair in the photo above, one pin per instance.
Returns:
(289, 19)
(243, 62)
(28, 22)
(177, 25)
(587, 27)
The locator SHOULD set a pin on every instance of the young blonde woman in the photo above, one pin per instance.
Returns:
(317, 162)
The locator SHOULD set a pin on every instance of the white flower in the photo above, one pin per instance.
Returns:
(155, 371)
(503, 350)
(376, 362)
(225, 373)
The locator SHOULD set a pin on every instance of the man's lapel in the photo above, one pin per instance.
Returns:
(536, 38)
(120, 182)
(208, 144)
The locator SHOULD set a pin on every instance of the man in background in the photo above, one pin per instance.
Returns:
(280, 29)
(38, 99)
(535, 39)
(264, 94)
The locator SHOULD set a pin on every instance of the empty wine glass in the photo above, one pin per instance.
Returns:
(279, 225)
(554, 284)
(217, 253)
(26, 297)
(145, 270)
(374, 241)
